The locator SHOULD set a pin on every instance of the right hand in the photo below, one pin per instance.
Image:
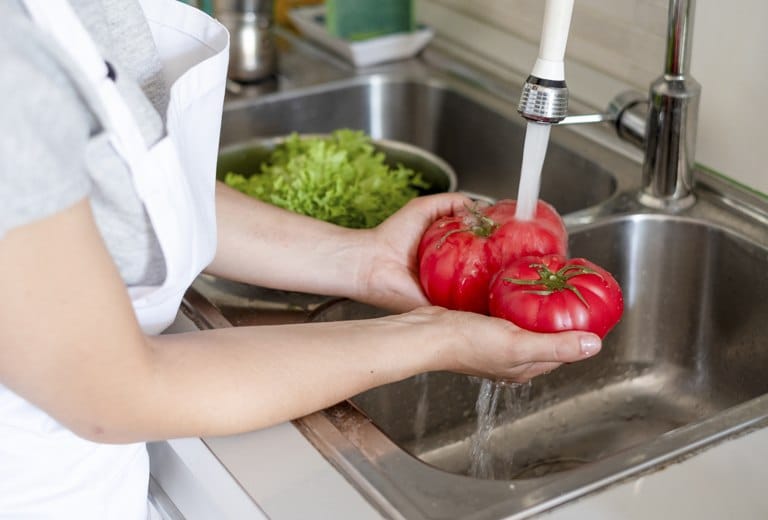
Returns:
(389, 272)
(495, 348)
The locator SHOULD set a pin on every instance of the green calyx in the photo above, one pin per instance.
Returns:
(555, 281)
(480, 225)
(483, 227)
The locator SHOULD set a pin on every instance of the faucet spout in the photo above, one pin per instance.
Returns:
(545, 95)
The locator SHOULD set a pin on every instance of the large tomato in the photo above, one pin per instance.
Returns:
(459, 254)
(553, 294)
(544, 234)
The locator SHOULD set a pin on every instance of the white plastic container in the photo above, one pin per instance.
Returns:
(311, 23)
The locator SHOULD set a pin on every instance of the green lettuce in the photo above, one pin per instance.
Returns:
(340, 179)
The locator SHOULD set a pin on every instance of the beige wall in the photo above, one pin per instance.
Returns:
(619, 44)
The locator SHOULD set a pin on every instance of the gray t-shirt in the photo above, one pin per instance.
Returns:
(53, 152)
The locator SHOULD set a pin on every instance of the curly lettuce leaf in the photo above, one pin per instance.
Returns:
(340, 179)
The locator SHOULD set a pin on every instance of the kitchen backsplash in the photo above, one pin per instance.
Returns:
(622, 38)
(618, 44)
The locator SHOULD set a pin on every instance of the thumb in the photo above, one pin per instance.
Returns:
(560, 347)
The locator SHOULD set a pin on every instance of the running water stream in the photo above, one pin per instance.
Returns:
(534, 151)
(422, 410)
(483, 461)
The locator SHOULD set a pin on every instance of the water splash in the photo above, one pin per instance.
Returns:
(422, 410)
(515, 396)
(480, 453)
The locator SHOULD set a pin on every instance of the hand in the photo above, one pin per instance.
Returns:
(389, 276)
(498, 349)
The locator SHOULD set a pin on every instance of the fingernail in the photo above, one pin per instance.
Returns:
(589, 345)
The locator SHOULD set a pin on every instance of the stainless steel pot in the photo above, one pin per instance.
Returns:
(252, 53)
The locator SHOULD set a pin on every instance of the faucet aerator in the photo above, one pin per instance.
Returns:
(543, 100)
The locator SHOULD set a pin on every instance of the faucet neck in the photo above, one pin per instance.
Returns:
(672, 118)
(677, 60)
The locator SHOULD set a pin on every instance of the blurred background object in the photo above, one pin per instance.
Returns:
(364, 32)
(252, 53)
(358, 20)
(282, 7)
(205, 5)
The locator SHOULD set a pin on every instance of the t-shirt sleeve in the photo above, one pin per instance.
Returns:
(44, 131)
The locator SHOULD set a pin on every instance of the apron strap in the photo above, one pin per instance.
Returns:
(178, 195)
(58, 19)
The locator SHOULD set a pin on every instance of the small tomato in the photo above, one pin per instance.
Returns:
(459, 254)
(553, 294)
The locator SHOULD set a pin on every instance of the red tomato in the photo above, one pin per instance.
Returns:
(459, 254)
(543, 235)
(553, 294)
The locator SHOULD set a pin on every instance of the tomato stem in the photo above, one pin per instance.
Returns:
(482, 225)
(555, 281)
(479, 225)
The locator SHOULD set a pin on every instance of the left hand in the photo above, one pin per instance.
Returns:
(389, 276)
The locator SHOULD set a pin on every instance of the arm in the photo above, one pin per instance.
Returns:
(263, 245)
(70, 344)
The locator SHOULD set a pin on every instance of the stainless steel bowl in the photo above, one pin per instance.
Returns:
(246, 158)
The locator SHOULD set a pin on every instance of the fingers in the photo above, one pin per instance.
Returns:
(559, 352)
(563, 347)
(536, 369)
(434, 206)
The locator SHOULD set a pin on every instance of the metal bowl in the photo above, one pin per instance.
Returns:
(246, 158)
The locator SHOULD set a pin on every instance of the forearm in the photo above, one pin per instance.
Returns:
(227, 381)
(263, 245)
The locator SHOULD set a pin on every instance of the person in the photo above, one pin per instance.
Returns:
(111, 113)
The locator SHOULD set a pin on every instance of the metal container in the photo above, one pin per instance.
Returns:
(252, 52)
(246, 158)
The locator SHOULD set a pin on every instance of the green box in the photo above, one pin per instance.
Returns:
(357, 20)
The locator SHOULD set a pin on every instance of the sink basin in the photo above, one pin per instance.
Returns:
(691, 344)
(684, 368)
(482, 143)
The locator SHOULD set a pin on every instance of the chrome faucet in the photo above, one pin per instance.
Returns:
(664, 123)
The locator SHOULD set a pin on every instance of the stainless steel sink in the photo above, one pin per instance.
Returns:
(683, 370)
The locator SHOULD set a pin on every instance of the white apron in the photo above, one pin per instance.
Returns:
(45, 470)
